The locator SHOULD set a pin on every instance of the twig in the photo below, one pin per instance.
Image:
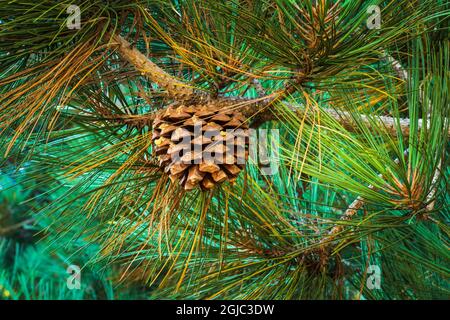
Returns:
(391, 124)
(258, 87)
(430, 196)
(399, 70)
(11, 228)
(259, 110)
(174, 87)
(352, 209)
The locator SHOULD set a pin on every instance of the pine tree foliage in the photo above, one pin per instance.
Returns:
(357, 121)
(32, 264)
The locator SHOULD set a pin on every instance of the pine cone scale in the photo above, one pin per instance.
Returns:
(200, 145)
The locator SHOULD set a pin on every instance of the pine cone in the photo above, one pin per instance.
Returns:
(201, 145)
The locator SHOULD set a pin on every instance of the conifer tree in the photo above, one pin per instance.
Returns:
(335, 184)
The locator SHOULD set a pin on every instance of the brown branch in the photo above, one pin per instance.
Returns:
(359, 202)
(258, 87)
(258, 110)
(434, 182)
(352, 209)
(9, 229)
(175, 88)
(262, 112)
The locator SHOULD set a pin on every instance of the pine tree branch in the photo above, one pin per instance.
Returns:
(434, 182)
(258, 110)
(258, 87)
(396, 65)
(175, 88)
(359, 202)
(351, 211)
(9, 229)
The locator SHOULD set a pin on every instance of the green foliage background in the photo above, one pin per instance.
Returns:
(80, 186)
